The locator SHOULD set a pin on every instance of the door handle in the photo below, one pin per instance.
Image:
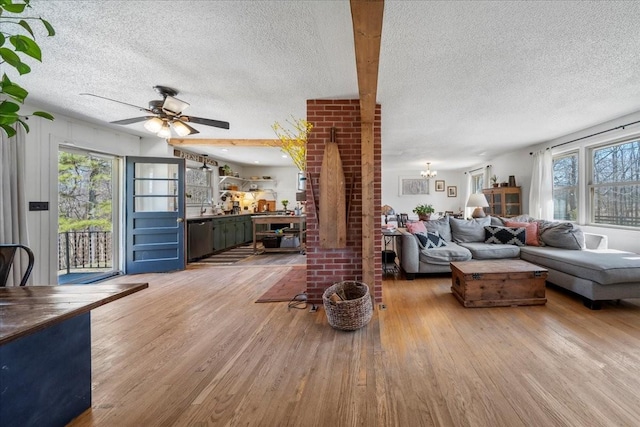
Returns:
(180, 220)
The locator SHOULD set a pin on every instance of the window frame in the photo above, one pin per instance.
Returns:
(591, 186)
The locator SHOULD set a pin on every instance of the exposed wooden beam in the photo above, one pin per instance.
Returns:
(227, 142)
(367, 32)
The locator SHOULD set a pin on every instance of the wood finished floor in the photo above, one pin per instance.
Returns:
(195, 350)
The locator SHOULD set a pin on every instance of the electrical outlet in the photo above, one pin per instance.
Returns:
(314, 308)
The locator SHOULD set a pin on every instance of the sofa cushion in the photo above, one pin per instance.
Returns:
(430, 240)
(564, 235)
(604, 266)
(463, 230)
(495, 220)
(445, 254)
(491, 251)
(531, 229)
(441, 226)
(416, 227)
(505, 235)
(519, 218)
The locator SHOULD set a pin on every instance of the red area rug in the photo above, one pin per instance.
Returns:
(291, 284)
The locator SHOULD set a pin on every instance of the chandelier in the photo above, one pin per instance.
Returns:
(428, 173)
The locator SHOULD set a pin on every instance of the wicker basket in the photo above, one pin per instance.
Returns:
(352, 313)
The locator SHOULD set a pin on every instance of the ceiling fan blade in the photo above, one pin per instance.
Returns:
(207, 122)
(132, 120)
(119, 102)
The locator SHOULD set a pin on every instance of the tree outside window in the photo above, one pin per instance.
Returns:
(565, 187)
(615, 188)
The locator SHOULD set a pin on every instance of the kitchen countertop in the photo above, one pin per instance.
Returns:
(212, 216)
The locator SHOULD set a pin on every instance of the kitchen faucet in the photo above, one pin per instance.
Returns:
(203, 210)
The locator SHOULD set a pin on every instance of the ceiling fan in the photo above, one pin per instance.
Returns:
(166, 114)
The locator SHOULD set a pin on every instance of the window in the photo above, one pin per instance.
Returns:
(477, 183)
(198, 184)
(565, 187)
(615, 184)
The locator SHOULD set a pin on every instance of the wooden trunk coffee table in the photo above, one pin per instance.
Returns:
(498, 283)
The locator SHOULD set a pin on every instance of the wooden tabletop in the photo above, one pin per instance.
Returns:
(390, 232)
(27, 309)
(496, 266)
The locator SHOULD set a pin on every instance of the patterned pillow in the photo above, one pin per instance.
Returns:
(505, 235)
(530, 227)
(430, 240)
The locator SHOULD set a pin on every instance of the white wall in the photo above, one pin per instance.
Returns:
(42, 179)
(518, 163)
(438, 199)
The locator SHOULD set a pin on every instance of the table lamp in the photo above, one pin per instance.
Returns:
(386, 211)
(477, 201)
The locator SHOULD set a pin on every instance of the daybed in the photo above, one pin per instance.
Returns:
(577, 261)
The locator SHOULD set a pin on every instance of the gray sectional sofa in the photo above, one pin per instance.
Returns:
(577, 261)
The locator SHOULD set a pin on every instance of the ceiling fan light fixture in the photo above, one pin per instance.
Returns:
(174, 105)
(165, 131)
(180, 128)
(154, 124)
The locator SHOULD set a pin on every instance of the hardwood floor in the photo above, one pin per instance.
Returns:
(194, 350)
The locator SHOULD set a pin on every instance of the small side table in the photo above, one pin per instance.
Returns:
(389, 239)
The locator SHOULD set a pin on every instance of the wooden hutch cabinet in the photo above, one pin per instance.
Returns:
(503, 201)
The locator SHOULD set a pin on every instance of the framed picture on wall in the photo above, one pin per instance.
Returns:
(439, 185)
(408, 186)
(452, 191)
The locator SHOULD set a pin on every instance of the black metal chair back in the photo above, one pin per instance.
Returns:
(7, 254)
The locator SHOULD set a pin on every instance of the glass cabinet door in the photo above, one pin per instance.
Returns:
(497, 204)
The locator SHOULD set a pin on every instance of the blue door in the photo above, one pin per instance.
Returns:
(155, 215)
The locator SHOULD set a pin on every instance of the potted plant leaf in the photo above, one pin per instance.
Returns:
(494, 181)
(424, 211)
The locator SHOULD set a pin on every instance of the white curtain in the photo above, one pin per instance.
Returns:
(486, 183)
(468, 191)
(541, 194)
(13, 200)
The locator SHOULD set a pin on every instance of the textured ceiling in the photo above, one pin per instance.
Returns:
(458, 80)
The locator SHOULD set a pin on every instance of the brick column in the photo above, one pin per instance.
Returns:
(327, 266)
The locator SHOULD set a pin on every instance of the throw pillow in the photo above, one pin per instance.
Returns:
(519, 218)
(464, 231)
(564, 235)
(416, 227)
(530, 227)
(430, 240)
(505, 235)
(496, 220)
(543, 224)
(441, 226)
